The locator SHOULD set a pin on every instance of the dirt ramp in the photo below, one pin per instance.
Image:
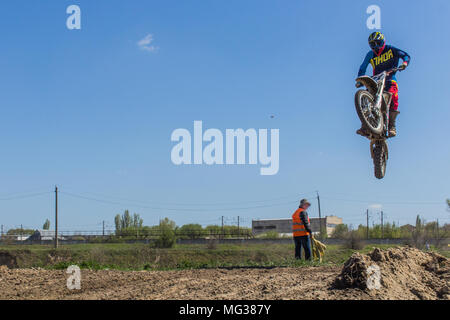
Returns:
(397, 273)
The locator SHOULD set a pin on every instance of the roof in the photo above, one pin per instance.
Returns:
(47, 234)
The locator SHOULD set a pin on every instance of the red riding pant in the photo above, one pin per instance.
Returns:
(394, 90)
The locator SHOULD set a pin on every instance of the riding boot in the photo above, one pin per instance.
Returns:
(392, 119)
(363, 131)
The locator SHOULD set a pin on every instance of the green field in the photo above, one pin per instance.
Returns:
(144, 257)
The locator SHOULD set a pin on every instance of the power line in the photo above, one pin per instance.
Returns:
(25, 196)
(34, 190)
(386, 202)
(151, 202)
(176, 209)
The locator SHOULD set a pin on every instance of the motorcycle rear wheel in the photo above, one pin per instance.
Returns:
(371, 117)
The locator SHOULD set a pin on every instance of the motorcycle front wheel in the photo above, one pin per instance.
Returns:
(379, 160)
(370, 116)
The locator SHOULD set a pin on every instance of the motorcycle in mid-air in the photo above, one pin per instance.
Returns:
(372, 105)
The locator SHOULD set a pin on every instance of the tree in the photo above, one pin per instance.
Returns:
(167, 237)
(448, 204)
(126, 220)
(137, 221)
(213, 230)
(46, 225)
(20, 231)
(340, 231)
(323, 233)
(190, 231)
(117, 222)
(418, 233)
(406, 231)
(362, 231)
(127, 224)
(431, 229)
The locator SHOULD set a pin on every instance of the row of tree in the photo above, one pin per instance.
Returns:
(431, 230)
(132, 225)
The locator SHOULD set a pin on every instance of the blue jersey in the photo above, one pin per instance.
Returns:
(386, 60)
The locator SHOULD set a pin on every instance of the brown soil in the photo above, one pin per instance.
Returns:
(405, 274)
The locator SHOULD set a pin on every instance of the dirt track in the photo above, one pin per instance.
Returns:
(406, 274)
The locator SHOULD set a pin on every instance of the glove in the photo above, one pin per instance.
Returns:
(358, 84)
(402, 67)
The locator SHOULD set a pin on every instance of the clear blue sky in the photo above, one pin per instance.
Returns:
(92, 112)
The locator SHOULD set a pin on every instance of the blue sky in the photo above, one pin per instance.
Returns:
(91, 111)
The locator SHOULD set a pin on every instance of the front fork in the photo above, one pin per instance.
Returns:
(387, 96)
(378, 142)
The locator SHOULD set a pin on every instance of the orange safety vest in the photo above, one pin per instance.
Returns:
(298, 228)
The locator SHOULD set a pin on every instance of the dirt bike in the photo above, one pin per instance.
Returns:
(372, 105)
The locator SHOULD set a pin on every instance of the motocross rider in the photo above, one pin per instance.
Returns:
(384, 57)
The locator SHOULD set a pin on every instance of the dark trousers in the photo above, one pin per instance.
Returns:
(304, 242)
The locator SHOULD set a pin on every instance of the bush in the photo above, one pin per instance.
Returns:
(78, 238)
(354, 241)
(211, 244)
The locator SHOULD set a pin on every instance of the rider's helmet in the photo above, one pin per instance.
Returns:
(377, 42)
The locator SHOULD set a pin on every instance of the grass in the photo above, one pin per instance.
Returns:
(143, 257)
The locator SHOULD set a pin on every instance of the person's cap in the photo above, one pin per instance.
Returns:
(304, 201)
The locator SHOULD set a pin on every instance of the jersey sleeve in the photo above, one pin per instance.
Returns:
(363, 67)
(403, 55)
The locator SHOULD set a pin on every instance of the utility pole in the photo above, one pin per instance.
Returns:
(437, 230)
(56, 217)
(239, 234)
(222, 229)
(320, 215)
(367, 217)
(382, 226)
(21, 232)
(2, 234)
(103, 228)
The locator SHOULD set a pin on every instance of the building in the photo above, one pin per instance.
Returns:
(44, 235)
(22, 238)
(284, 226)
(331, 222)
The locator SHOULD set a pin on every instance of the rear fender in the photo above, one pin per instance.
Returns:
(369, 83)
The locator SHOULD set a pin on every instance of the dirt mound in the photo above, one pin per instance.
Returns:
(397, 273)
(6, 259)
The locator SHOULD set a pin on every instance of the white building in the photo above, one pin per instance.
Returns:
(284, 226)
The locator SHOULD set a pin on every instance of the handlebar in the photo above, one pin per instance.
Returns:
(388, 72)
(394, 70)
